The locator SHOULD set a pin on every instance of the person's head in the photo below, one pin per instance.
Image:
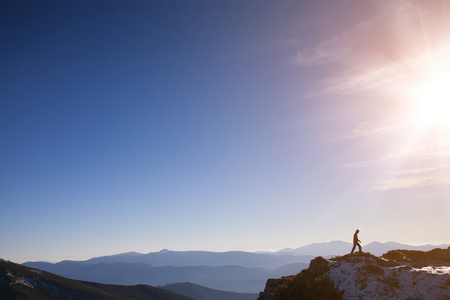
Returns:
(357, 230)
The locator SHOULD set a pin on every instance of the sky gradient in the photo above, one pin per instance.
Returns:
(233, 125)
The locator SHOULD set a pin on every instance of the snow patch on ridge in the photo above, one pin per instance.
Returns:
(368, 280)
(20, 279)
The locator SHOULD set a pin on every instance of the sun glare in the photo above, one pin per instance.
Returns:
(432, 100)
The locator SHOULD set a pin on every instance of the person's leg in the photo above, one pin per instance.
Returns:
(359, 246)
(353, 249)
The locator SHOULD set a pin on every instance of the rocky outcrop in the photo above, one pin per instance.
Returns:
(271, 285)
(316, 267)
(398, 274)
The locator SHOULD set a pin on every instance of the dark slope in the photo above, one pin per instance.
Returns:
(199, 292)
(20, 282)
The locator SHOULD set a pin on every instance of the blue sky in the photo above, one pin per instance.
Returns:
(234, 125)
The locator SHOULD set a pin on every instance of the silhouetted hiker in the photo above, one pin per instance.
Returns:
(356, 242)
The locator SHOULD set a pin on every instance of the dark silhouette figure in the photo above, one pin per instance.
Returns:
(356, 242)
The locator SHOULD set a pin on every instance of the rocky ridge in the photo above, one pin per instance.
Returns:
(398, 274)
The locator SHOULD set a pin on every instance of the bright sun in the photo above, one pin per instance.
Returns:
(432, 99)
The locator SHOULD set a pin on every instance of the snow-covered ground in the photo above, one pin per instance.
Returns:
(366, 277)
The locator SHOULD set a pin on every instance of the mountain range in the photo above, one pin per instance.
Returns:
(226, 278)
(341, 248)
(234, 271)
(202, 258)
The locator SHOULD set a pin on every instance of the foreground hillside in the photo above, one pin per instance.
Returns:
(398, 274)
(20, 282)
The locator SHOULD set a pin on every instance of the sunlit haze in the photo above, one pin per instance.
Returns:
(232, 125)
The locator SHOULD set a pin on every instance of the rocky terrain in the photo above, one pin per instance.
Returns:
(398, 274)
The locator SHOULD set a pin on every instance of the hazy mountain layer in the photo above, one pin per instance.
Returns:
(204, 258)
(227, 278)
(202, 293)
(342, 248)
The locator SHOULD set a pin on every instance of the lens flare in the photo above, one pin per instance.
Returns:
(432, 100)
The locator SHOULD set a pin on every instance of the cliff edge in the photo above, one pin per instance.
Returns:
(397, 274)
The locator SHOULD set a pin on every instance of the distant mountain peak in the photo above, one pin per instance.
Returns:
(131, 253)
